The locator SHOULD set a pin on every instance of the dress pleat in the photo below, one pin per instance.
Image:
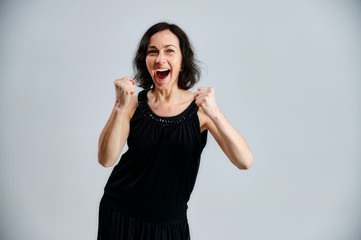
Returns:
(114, 225)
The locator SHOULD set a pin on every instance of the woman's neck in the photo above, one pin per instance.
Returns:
(169, 96)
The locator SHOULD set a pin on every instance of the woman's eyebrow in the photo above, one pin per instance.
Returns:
(170, 45)
(166, 46)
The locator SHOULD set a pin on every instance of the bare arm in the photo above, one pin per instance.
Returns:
(230, 140)
(116, 131)
(113, 137)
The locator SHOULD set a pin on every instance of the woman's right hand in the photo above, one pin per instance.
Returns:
(124, 89)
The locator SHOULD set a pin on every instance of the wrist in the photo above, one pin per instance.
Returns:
(119, 108)
(216, 115)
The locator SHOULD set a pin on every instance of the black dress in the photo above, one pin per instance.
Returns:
(147, 192)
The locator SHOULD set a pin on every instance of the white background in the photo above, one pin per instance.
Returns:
(286, 75)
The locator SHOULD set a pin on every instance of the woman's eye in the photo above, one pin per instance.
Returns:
(170, 50)
(151, 51)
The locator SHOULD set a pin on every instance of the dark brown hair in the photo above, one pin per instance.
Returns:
(190, 70)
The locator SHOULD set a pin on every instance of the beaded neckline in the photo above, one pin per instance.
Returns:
(164, 121)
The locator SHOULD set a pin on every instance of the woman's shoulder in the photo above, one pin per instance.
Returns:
(187, 97)
(188, 93)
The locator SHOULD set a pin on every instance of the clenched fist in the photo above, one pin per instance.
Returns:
(206, 100)
(124, 89)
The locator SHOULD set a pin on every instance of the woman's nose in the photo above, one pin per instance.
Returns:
(160, 58)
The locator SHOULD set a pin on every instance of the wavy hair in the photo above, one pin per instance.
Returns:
(190, 70)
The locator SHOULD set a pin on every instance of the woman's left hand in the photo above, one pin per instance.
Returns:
(206, 100)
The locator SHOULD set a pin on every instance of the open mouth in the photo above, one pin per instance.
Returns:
(163, 73)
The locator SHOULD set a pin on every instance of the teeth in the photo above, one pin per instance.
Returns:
(162, 70)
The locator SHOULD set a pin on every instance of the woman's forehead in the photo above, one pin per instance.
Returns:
(164, 38)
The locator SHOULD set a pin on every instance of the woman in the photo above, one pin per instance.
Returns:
(165, 127)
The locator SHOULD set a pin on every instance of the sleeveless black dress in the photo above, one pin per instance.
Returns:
(147, 192)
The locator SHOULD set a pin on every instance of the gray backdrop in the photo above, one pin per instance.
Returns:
(286, 75)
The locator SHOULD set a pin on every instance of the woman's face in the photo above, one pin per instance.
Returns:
(164, 59)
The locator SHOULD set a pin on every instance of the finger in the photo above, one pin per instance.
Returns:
(124, 83)
(206, 89)
(132, 89)
(202, 95)
(123, 79)
(199, 103)
(202, 91)
(200, 88)
(129, 89)
(202, 99)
